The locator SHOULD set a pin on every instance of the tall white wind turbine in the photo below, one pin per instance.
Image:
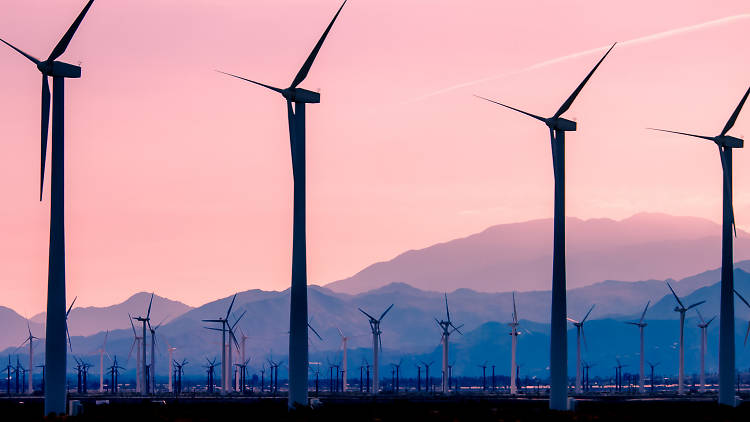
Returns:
(298, 342)
(377, 345)
(171, 350)
(682, 309)
(102, 351)
(514, 344)
(447, 328)
(558, 396)
(344, 340)
(703, 325)
(30, 339)
(138, 364)
(55, 385)
(726, 144)
(641, 325)
(580, 333)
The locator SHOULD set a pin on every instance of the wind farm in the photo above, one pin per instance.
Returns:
(196, 259)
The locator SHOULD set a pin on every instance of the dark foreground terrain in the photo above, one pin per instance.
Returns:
(453, 409)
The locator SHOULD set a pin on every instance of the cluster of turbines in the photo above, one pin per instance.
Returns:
(296, 99)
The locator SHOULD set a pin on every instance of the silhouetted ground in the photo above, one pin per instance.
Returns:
(456, 409)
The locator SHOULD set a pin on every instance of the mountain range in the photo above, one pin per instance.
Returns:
(518, 256)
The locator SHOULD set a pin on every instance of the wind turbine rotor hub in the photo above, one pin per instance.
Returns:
(562, 124)
(301, 95)
(60, 69)
(729, 141)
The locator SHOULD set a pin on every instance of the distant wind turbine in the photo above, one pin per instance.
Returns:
(703, 325)
(145, 320)
(748, 305)
(226, 365)
(344, 340)
(138, 364)
(377, 344)
(102, 351)
(55, 354)
(514, 344)
(298, 353)
(558, 330)
(580, 333)
(641, 325)
(447, 327)
(726, 143)
(682, 309)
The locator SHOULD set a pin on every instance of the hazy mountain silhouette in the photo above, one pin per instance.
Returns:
(92, 319)
(410, 332)
(518, 256)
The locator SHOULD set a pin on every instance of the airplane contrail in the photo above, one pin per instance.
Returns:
(643, 39)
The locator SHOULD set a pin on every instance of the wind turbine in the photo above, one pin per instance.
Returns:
(102, 351)
(748, 305)
(298, 353)
(137, 345)
(726, 143)
(344, 339)
(580, 333)
(653, 365)
(447, 328)
(682, 309)
(558, 330)
(703, 325)
(55, 353)
(225, 373)
(30, 340)
(641, 325)
(152, 370)
(514, 344)
(145, 320)
(377, 343)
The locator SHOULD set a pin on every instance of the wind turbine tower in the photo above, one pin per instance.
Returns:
(580, 333)
(30, 339)
(641, 325)
(447, 328)
(137, 346)
(55, 391)
(344, 340)
(377, 344)
(171, 350)
(144, 368)
(514, 344)
(682, 309)
(102, 351)
(703, 325)
(298, 342)
(725, 144)
(558, 330)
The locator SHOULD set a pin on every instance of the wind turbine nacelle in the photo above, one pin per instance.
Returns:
(731, 141)
(299, 95)
(60, 69)
(564, 125)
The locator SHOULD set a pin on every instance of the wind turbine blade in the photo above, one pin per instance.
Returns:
(63, 44)
(583, 334)
(272, 88)
(700, 316)
(643, 315)
(675, 294)
(370, 316)
(133, 326)
(571, 320)
(457, 329)
(515, 313)
(70, 344)
(71, 307)
(380, 342)
(302, 74)
(747, 332)
(542, 119)
(447, 312)
(230, 306)
(28, 56)
(148, 313)
(682, 133)
(316, 333)
(587, 314)
(696, 304)
(212, 320)
(632, 323)
(741, 298)
(566, 105)
(727, 186)
(385, 312)
(709, 321)
(732, 119)
(340, 333)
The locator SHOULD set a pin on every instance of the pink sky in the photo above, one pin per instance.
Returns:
(179, 179)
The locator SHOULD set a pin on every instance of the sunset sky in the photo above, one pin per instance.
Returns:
(179, 178)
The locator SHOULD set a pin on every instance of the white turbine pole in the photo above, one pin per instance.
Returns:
(101, 371)
(139, 367)
(641, 381)
(375, 373)
(681, 376)
(445, 363)
(514, 342)
(578, 359)
(31, 364)
(344, 340)
(702, 388)
(171, 366)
